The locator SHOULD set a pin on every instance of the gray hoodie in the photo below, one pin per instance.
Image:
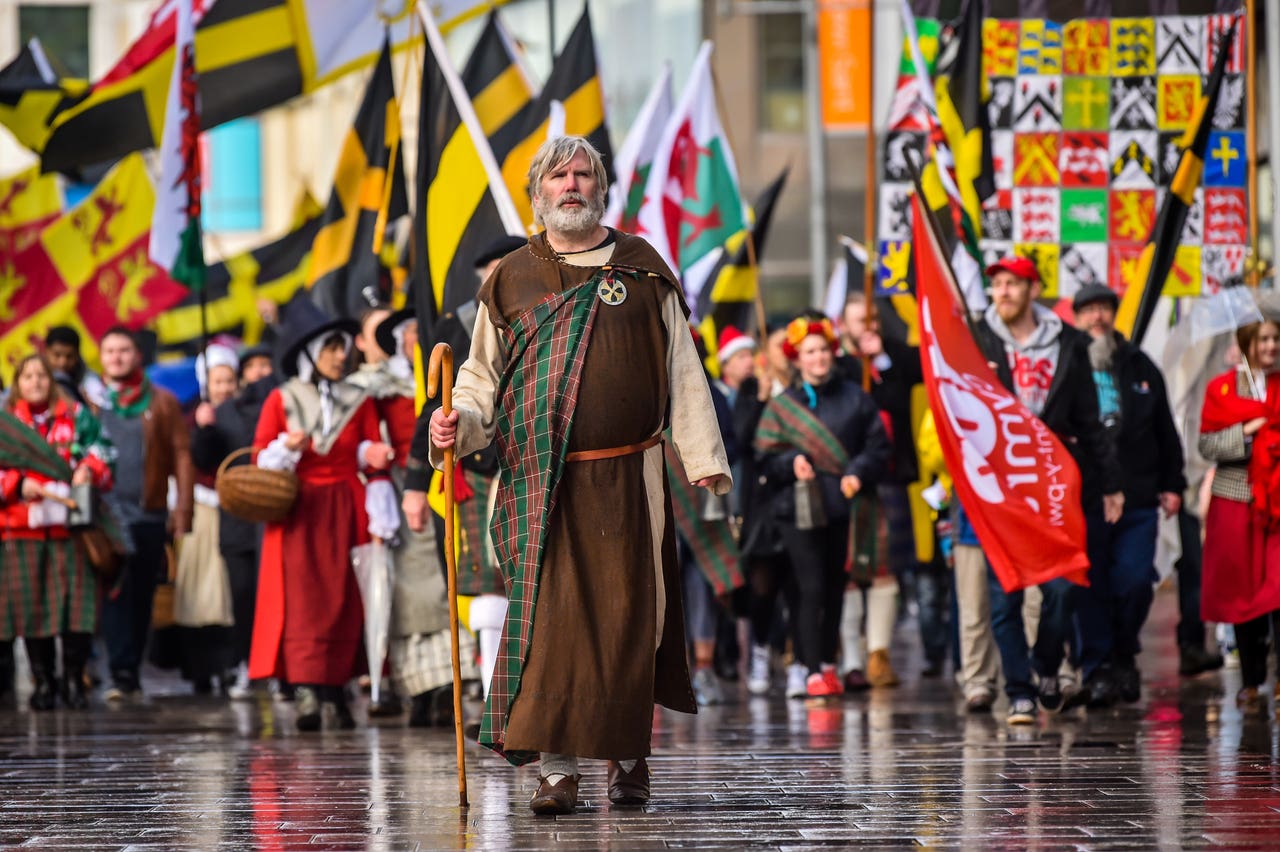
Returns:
(1034, 361)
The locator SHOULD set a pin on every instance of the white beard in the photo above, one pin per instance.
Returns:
(571, 220)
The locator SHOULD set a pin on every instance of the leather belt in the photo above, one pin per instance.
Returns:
(613, 452)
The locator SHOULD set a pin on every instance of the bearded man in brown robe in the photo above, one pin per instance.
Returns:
(581, 358)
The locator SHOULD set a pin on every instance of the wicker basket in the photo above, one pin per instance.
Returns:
(254, 493)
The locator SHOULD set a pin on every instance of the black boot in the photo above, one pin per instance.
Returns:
(336, 697)
(41, 653)
(420, 710)
(7, 671)
(75, 654)
(307, 701)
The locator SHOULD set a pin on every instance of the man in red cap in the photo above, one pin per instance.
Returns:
(1045, 363)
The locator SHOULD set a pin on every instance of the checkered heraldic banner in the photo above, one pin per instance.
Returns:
(1085, 116)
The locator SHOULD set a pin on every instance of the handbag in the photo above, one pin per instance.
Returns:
(104, 555)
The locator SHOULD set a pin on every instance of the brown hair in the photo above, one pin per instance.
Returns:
(1247, 336)
(55, 389)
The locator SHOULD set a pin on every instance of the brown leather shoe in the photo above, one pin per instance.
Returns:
(629, 788)
(556, 799)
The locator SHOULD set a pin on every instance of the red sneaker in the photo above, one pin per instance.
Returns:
(817, 686)
(832, 680)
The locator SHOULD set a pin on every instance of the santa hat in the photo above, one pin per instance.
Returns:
(732, 342)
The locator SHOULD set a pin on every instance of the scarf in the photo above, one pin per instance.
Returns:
(130, 396)
(1224, 408)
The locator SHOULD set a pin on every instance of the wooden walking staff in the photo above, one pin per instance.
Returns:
(440, 378)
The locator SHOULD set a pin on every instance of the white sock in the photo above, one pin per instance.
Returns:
(627, 765)
(882, 612)
(854, 653)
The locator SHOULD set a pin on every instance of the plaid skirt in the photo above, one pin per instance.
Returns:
(47, 587)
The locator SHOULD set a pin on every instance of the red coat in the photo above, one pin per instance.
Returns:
(308, 623)
(399, 413)
(77, 438)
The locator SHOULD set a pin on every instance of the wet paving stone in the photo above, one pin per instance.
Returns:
(886, 769)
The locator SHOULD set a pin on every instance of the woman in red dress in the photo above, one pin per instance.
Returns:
(1240, 430)
(308, 622)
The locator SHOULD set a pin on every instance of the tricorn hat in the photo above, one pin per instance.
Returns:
(385, 333)
(302, 321)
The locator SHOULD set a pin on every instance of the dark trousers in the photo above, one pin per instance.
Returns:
(933, 592)
(242, 570)
(1011, 640)
(1113, 608)
(765, 578)
(1190, 626)
(817, 586)
(126, 612)
(1254, 640)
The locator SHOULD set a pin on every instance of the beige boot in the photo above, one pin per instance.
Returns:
(880, 671)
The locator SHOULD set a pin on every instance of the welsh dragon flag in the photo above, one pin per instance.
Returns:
(634, 161)
(176, 241)
(693, 202)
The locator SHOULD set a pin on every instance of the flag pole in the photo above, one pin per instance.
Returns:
(869, 204)
(1251, 138)
(936, 229)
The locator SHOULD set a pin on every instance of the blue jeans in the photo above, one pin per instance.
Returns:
(1011, 640)
(1114, 607)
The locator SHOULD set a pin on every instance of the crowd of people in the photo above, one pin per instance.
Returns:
(825, 510)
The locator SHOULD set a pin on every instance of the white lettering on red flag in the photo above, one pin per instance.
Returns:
(1016, 481)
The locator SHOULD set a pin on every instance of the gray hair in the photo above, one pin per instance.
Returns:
(556, 152)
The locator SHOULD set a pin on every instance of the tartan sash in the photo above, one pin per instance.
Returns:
(711, 542)
(788, 425)
(537, 396)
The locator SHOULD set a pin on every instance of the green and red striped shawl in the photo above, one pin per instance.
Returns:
(537, 397)
(788, 425)
(712, 542)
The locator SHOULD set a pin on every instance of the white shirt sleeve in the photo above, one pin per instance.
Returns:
(276, 456)
(694, 429)
(475, 392)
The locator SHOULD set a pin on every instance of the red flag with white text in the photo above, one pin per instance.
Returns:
(1017, 482)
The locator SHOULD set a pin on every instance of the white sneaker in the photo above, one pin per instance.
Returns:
(240, 690)
(797, 675)
(758, 670)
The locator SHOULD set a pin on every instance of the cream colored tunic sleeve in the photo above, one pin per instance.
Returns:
(694, 429)
(475, 392)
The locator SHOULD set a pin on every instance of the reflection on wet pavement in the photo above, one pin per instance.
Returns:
(891, 767)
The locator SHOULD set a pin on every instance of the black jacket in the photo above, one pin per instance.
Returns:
(235, 422)
(891, 390)
(854, 418)
(1148, 446)
(1070, 409)
(761, 536)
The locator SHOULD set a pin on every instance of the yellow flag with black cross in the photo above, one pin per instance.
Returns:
(347, 273)
(1138, 305)
(575, 85)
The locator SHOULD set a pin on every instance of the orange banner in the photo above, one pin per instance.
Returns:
(844, 63)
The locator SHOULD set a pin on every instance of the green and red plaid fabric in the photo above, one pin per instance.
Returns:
(48, 588)
(712, 543)
(537, 397)
(478, 570)
(788, 425)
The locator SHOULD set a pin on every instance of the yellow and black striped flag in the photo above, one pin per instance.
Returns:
(235, 286)
(368, 193)
(33, 87)
(575, 84)
(250, 55)
(733, 285)
(499, 89)
(462, 204)
(1139, 303)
